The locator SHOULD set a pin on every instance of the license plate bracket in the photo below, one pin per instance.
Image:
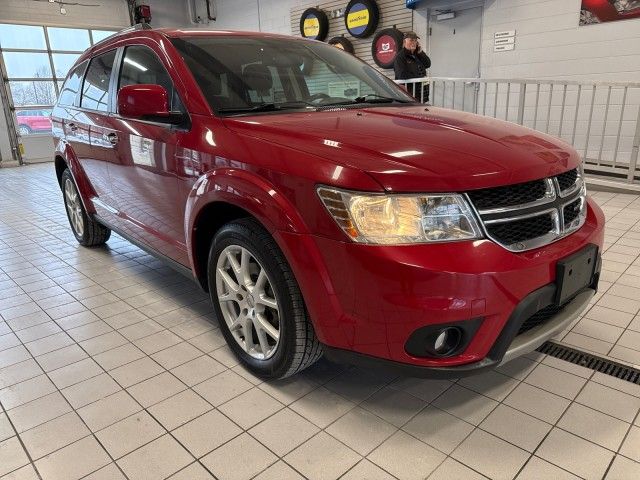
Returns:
(574, 273)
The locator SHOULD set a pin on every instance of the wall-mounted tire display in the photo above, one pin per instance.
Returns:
(361, 17)
(385, 46)
(342, 43)
(314, 24)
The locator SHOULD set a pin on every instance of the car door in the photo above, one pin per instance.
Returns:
(144, 172)
(91, 125)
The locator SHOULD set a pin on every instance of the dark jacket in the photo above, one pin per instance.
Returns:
(411, 65)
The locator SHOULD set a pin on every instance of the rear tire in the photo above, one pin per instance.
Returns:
(255, 270)
(24, 130)
(87, 231)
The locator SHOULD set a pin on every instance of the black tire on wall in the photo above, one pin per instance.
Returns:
(385, 46)
(343, 44)
(317, 24)
(355, 14)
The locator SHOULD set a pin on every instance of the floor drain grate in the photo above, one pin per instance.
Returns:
(594, 362)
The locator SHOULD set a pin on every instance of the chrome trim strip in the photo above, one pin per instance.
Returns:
(532, 339)
(520, 217)
(549, 196)
(574, 188)
(560, 230)
(535, 242)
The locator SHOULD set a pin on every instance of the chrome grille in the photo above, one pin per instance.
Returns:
(521, 230)
(533, 214)
(567, 180)
(508, 196)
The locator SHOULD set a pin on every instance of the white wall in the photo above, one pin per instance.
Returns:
(550, 44)
(109, 14)
(255, 15)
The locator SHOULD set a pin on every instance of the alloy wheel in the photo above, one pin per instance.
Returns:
(248, 302)
(74, 207)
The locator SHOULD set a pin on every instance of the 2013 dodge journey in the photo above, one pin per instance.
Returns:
(324, 209)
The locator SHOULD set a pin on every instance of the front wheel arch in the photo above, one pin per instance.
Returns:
(61, 166)
(211, 218)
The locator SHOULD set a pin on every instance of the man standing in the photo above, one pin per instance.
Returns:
(412, 62)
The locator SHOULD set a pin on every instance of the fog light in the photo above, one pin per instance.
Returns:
(442, 342)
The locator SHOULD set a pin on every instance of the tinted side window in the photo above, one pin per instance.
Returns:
(95, 91)
(71, 86)
(140, 65)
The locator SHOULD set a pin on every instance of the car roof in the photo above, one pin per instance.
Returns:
(147, 31)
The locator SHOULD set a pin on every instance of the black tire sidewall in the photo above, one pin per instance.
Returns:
(277, 365)
(84, 239)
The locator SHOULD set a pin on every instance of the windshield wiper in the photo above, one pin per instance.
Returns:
(365, 99)
(268, 107)
(380, 99)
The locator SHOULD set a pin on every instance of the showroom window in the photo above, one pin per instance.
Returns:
(36, 60)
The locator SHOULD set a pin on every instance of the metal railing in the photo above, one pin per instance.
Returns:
(600, 119)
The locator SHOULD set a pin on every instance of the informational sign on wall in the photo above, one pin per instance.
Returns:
(504, 41)
(600, 11)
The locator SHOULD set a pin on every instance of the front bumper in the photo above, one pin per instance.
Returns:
(368, 300)
(515, 346)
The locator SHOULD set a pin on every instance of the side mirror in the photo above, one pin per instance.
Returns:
(144, 101)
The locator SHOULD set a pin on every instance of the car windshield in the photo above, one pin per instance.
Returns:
(240, 75)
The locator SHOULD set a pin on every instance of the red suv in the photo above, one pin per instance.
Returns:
(324, 209)
(33, 121)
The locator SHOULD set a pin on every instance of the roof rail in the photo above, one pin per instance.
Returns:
(137, 26)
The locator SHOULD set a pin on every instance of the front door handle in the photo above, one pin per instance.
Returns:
(113, 138)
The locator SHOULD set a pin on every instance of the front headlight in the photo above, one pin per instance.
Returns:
(401, 219)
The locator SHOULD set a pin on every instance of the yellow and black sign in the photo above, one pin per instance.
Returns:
(314, 24)
(361, 17)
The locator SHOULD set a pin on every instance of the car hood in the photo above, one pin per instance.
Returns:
(417, 148)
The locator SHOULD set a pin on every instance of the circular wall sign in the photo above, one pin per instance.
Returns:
(314, 24)
(342, 43)
(385, 46)
(361, 17)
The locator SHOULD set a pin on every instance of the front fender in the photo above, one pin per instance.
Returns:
(244, 190)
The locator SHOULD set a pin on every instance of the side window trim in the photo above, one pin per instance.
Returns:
(120, 61)
(76, 100)
(115, 84)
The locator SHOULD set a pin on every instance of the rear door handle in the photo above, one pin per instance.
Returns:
(113, 138)
(72, 126)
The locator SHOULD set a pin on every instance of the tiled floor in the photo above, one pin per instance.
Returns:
(110, 369)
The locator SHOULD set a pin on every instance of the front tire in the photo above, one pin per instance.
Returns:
(24, 130)
(87, 231)
(258, 303)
